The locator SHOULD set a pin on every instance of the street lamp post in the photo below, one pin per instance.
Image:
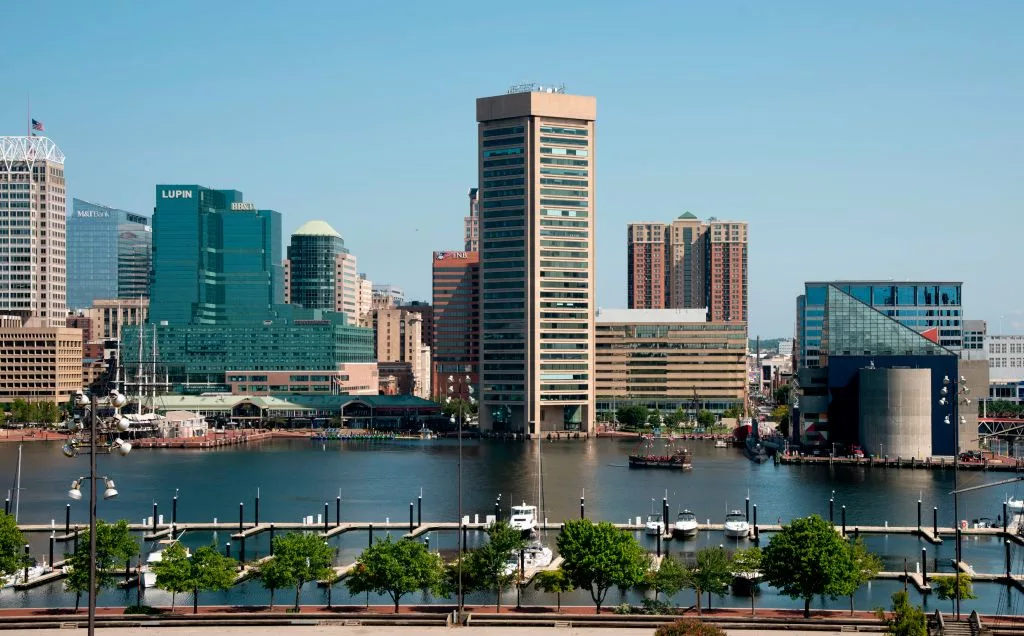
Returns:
(465, 383)
(107, 427)
(953, 394)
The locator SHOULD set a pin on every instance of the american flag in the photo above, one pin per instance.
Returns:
(37, 125)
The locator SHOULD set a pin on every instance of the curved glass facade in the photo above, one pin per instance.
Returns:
(313, 260)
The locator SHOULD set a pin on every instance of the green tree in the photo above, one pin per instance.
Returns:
(865, 566)
(21, 411)
(554, 581)
(783, 394)
(47, 412)
(670, 577)
(676, 418)
(12, 544)
(747, 563)
(210, 571)
(114, 546)
(488, 565)
(711, 573)
(806, 559)
(906, 619)
(307, 557)
(654, 418)
(395, 568)
(173, 571)
(732, 412)
(706, 418)
(632, 416)
(330, 578)
(274, 575)
(780, 413)
(945, 587)
(599, 556)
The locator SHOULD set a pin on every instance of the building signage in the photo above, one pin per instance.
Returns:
(443, 255)
(175, 194)
(243, 205)
(92, 214)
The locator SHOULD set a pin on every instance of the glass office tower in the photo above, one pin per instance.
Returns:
(313, 257)
(109, 254)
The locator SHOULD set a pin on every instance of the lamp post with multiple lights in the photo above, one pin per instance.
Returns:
(954, 394)
(457, 386)
(107, 429)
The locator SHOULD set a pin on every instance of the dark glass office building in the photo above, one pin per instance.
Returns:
(109, 254)
(217, 259)
(313, 255)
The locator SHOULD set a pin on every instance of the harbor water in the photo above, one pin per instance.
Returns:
(377, 481)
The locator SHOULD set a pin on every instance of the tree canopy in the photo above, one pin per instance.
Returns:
(553, 581)
(711, 573)
(906, 619)
(275, 575)
(865, 566)
(210, 571)
(487, 565)
(632, 416)
(173, 571)
(945, 587)
(706, 418)
(114, 546)
(600, 556)
(306, 556)
(395, 568)
(12, 542)
(808, 558)
(670, 577)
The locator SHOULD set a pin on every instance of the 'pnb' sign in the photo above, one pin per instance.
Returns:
(175, 194)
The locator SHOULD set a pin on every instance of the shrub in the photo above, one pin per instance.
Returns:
(656, 607)
(142, 609)
(623, 608)
(688, 627)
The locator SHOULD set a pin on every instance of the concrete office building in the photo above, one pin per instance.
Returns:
(689, 263)
(398, 338)
(40, 364)
(1005, 357)
(390, 294)
(932, 309)
(471, 224)
(668, 359)
(843, 392)
(536, 155)
(33, 278)
(426, 312)
(110, 254)
(974, 340)
(456, 345)
(320, 272)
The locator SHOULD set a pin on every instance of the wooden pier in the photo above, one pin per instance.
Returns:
(927, 463)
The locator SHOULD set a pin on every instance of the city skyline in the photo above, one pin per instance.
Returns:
(786, 119)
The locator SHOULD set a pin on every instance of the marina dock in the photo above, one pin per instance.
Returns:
(927, 463)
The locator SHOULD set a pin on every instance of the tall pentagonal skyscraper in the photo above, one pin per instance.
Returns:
(33, 272)
(536, 153)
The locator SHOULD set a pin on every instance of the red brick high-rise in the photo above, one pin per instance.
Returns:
(456, 315)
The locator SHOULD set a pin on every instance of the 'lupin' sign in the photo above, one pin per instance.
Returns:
(175, 194)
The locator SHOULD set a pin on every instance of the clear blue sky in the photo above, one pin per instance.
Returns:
(860, 140)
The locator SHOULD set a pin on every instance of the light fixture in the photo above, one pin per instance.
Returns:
(943, 401)
(967, 401)
(963, 420)
(123, 424)
(944, 390)
(81, 400)
(68, 450)
(75, 493)
(945, 420)
(451, 419)
(117, 399)
(963, 379)
(122, 447)
(110, 492)
(945, 379)
(967, 389)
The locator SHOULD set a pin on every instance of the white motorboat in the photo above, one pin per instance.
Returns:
(685, 525)
(156, 556)
(736, 525)
(524, 518)
(13, 579)
(1015, 506)
(535, 556)
(655, 525)
(721, 443)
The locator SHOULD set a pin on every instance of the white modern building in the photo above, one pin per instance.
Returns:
(1005, 357)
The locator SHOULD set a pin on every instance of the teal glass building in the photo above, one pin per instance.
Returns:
(216, 258)
(109, 254)
(313, 255)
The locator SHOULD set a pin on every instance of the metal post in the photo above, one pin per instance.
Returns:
(271, 539)
(67, 519)
(1006, 520)
(664, 513)
(924, 565)
(419, 511)
(935, 521)
(326, 515)
(919, 515)
(831, 510)
(842, 511)
(256, 509)
(755, 521)
(154, 516)
(241, 516)
(747, 509)
(583, 514)
(51, 549)
(410, 517)
(174, 511)
(1006, 545)
(337, 510)
(92, 516)
(659, 544)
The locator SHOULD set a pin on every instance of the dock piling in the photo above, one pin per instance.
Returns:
(371, 535)
(67, 519)
(326, 515)
(832, 510)
(241, 551)
(1006, 518)
(419, 511)
(746, 510)
(271, 539)
(659, 544)
(583, 514)
(924, 565)
(410, 517)
(935, 521)
(664, 513)
(757, 536)
(842, 511)
(256, 509)
(27, 548)
(174, 511)
(7, 506)
(337, 510)
(227, 549)
(241, 516)
(1006, 547)
(53, 538)
(919, 515)
(154, 516)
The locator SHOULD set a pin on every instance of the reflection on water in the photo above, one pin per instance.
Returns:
(377, 481)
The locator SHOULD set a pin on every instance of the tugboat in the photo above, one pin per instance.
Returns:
(643, 456)
(685, 526)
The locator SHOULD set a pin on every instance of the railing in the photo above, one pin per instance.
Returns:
(940, 624)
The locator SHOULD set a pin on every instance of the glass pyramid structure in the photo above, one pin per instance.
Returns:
(853, 328)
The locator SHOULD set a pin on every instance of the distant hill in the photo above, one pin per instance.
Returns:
(767, 344)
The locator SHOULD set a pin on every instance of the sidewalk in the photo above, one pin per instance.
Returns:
(307, 630)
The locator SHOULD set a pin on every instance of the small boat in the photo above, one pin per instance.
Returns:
(1015, 506)
(535, 556)
(655, 525)
(736, 526)
(156, 556)
(983, 522)
(18, 577)
(721, 443)
(524, 519)
(685, 525)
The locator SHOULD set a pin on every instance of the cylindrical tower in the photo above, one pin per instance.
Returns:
(896, 412)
